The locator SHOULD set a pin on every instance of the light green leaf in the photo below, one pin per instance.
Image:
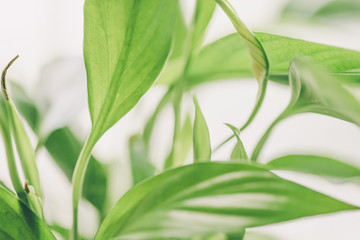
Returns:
(141, 166)
(228, 58)
(201, 136)
(17, 221)
(317, 165)
(339, 8)
(316, 91)
(211, 197)
(260, 63)
(179, 34)
(203, 12)
(126, 44)
(258, 236)
(239, 152)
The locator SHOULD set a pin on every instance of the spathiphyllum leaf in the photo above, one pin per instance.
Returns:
(314, 90)
(17, 221)
(126, 44)
(209, 198)
(317, 165)
(239, 152)
(260, 63)
(228, 58)
(201, 136)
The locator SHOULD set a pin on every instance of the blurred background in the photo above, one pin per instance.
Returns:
(48, 34)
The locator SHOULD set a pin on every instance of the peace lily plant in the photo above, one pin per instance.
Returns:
(128, 45)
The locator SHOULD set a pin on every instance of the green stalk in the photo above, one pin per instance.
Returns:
(78, 178)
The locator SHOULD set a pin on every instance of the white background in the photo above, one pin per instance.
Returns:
(42, 31)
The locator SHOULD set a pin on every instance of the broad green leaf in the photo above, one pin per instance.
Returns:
(201, 136)
(317, 165)
(126, 44)
(316, 91)
(208, 198)
(228, 58)
(23, 146)
(65, 147)
(203, 12)
(141, 166)
(17, 221)
(239, 152)
(260, 63)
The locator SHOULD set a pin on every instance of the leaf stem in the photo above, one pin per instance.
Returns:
(78, 178)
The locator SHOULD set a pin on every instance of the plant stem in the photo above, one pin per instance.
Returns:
(78, 178)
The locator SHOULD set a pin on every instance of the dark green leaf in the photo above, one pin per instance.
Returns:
(211, 197)
(65, 147)
(19, 222)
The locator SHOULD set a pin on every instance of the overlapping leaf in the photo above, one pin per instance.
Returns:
(17, 221)
(201, 136)
(211, 197)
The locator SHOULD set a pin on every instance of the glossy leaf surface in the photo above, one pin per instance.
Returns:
(208, 198)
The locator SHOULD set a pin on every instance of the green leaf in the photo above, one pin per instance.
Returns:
(258, 236)
(317, 165)
(211, 197)
(179, 34)
(228, 58)
(65, 147)
(141, 166)
(316, 91)
(260, 63)
(239, 152)
(339, 8)
(201, 136)
(17, 221)
(126, 44)
(25, 151)
(203, 12)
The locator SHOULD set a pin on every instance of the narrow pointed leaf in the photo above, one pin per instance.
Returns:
(17, 221)
(239, 152)
(211, 197)
(317, 165)
(126, 44)
(201, 136)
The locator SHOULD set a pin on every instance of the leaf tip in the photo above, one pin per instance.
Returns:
(3, 76)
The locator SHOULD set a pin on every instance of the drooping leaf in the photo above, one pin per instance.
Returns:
(239, 152)
(65, 147)
(228, 58)
(126, 44)
(211, 197)
(316, 91)
(317, 165)
(201, 136)
(260, 63)
(141, 166)
(17, 221)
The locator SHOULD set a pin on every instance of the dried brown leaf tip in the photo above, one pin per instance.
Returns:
(3, 76)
